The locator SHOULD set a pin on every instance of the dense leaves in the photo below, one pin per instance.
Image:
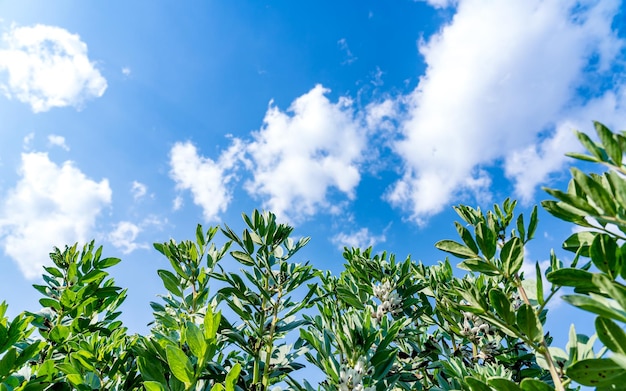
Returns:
(381, 324)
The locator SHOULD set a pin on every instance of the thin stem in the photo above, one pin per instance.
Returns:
(556, 378)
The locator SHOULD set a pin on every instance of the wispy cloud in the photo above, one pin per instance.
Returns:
(349, 57)
(58, 141)
(206, 179)
(48, 67)
(298, 157)
(498, 75)
(362, 238)
(138, 190)
(51, 205)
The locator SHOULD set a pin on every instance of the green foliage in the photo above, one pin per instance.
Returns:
(381, 324)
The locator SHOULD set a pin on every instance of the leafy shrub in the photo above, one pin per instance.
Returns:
(381, 324)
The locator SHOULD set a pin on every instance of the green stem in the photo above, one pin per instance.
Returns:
(556, 378)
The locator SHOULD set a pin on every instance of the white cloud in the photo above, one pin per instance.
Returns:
(362, 239)
(48, 67)
(299, 157)
(28, 141)
(138, 190)
(497, 76)
(50, 206)
(124, 237)
(126, 71)
(349, 57)
(177, 203)
(205, 178)
(58, 141)
(532, 165)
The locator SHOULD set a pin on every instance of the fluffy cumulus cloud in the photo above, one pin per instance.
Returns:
(51, 205)
(298, 157)
(362, 238)
(124, 237)
(46, 67)
(498, 76)
(206, 179)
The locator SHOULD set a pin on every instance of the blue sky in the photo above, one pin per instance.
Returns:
(361, 123)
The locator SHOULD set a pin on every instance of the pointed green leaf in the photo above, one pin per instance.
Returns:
(487, 240)
(611, 335)
(479, 266)
(242, 257)
(195, 339)
(475, 384)
(597, 372)
(502, 305)
(179, 364)
(231, 378)
(603, 253)
(528, 323)
(596, 306)
(512, 256)
(535, 385)
(153, 386)
(502, 384)
(598, 194)
(611, 146)
(580, 240)
(532, 226)
(580, 279)
(171, 282)
(466, 236)
(456, 249)
(108, 262)
(591, 146)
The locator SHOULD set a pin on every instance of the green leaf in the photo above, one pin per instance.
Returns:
(487, 240)
(596, 306)
(475, 384)
(466, 235)
(539, 279)
(47, 302)
(242, 257)
(611, 335)
(528, 323)
(580, 240)
(200, 236)
(171, 282)
(195, 339)
(532, 226)
(580, 279)
(231, 378)
(595, 192)
(603, 253)
(591, 146)
(479, 266)
(217, 387)
(7, 361)
(512, 256)
(534, 385)
(108, 262)
(179, 364)
(502, 384)
(153, 386)
(611, 146)
(151, 369)
(502, 305)
(456, 249)
(59, 333)
(597, 372)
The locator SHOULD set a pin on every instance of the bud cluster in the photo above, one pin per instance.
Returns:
(351, 378)
(480, 333)
(389, 298)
